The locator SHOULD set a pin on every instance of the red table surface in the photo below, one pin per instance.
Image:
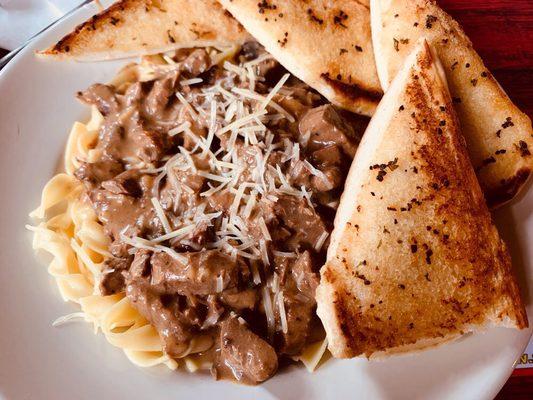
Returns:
(502, 33)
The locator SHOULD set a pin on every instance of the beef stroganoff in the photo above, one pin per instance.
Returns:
(195, 211)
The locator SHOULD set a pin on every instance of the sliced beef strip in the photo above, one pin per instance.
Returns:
(239, 300)
(152, 145)
(112, 279)
(126, 131)
(331, 178)
(186, 178)
(358, 123)
(163, 312)
(176, 198)
(299, 174)
(298, 282)
(197, 62)
(204, 273)
(102, 96)
(246, 158)
(133, 95)
(119, 249)
(299, 316)
(244, 356)
(121, 212)
(98, 171)
(112, 139)
(126, 183)
(215, 310)
(327, 156)
(329, 160)
(269, 69)
(302, 221)
(304, 275)
(159, 96)
(123, 136)
(325, 127)
(297, 103)
(304, 94)
(295, 108)
(251, 50)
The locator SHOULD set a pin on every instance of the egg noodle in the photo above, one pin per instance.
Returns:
(69, 230)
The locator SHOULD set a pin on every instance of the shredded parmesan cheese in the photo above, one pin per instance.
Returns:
(242, 121)
(188, 82)
(179, 129)
(275, 90)
(220, 284)
(144, 244)
(314, 170)
(269, 312)
(76, 316)
(181, 232)
(187, 105)
(161, 214)
(320, 241)
(282, 314)
(214, 177)
(284, 254)
(264, 228)
(255, 273)
(258, 60)
(264, 252)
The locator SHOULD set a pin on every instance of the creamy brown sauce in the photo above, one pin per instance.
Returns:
(241, 271)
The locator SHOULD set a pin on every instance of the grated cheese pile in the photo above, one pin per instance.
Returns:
(235, 155)
(232, 114)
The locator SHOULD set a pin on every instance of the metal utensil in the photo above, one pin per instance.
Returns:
(4, 60)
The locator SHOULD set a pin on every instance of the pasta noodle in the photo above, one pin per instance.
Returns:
(79, 246)
(69, 230)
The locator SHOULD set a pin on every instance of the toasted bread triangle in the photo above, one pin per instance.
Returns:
(327, 44)
(499, 136)
(137, 27)
(414, 258)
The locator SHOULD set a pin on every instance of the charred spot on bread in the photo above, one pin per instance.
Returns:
(508, 188)
(351, 90)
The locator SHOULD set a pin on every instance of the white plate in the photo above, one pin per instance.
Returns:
(21, 19)
(37, 361)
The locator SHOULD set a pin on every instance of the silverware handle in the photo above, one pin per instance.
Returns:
(4, 60)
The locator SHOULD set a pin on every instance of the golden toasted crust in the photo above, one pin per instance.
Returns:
(135, 27)
(327, 44)
(499, 136)
(414, 257)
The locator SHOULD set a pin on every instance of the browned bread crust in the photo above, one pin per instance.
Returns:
(499, 136)
(414, 258)
(134, 27)
(327, 44)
